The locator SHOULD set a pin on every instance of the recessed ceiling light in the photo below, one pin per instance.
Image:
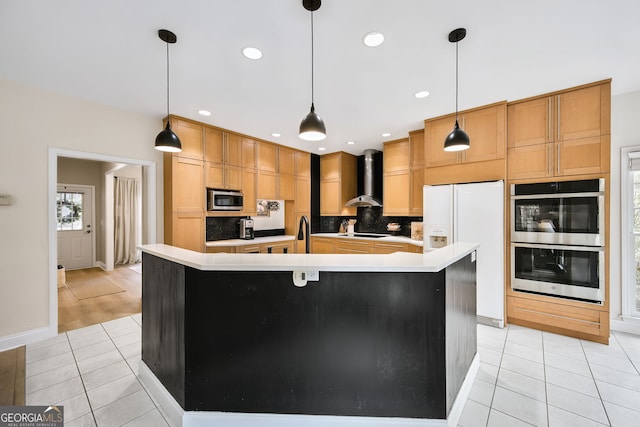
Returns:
(373, 39)
(351, 142)
(276, 135)
(422, 94)
(386, 134)
(204, 112)
(321, 148)
(252, 52)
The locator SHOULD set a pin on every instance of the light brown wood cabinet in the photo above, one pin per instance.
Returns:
(284, 247)
(322, 245)
(184, 202)
(561, 134)
(303, 164)
(249, 194)
(286, 161)
(403, 175)
(486, 127)
(353, 246)
(190, 134)
(267, 155)
(286, 186)
(337, 183)
(223, 159)
(267, 185)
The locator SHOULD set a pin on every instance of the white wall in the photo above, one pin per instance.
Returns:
(32, 121)
(624, 133)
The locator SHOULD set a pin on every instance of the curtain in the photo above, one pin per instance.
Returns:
(128, 220)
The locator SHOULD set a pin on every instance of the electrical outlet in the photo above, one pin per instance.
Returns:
(313, 275)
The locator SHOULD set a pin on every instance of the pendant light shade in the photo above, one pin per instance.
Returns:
(312, 126)
(167, 140)
(458, 139)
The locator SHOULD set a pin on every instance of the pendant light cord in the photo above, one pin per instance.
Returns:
(312, 92)
(456, 82)
(167, 81)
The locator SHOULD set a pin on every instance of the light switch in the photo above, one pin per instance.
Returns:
(5, 199)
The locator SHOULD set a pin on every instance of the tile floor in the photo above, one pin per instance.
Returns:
(526, 377)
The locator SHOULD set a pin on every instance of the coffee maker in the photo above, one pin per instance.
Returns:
(246, 229)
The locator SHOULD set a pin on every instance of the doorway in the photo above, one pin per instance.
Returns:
(148, 208)
(75, 208)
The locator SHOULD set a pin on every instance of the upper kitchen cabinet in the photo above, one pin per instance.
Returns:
(486, 127)
(190, 134)
(223, 159)
(267, 156)
(286, 160)
(416, 145)
(303, 164)
(485, 158)
(248, 153)
(396, 177)
(560, 134)
(337, 183)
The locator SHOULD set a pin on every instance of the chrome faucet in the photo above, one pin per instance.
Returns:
(301, 234)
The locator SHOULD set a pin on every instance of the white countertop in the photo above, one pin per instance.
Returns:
(244, 242)
(432, 261)
(386, 238)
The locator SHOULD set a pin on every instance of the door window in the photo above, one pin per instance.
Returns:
(69, 211)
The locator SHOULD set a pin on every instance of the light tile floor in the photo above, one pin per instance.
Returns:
(526, 377)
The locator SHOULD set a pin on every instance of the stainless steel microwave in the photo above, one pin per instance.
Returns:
(561, 213)
(224, 200)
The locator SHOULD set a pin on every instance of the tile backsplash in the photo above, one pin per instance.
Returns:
(369, 220)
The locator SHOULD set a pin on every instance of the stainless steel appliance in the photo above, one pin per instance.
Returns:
(246, 229)
(563, 213)
(224, 200)
(568, 271)
(557, 239)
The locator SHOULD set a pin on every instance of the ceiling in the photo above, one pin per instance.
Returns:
(109, 52)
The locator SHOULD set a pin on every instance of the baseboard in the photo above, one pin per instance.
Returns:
(625, 324)
(181, 418)
(28, 337)
(490, 321)
(102, 265)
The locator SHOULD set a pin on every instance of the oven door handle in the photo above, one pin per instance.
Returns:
(559, 247)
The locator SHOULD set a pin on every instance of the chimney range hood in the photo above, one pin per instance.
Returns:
(367, 199)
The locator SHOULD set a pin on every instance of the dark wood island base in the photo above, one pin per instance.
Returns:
(231, 346)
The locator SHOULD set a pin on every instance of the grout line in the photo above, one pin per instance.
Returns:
(604, 408)
(86, 395)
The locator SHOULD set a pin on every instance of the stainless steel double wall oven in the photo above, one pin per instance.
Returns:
(557, 239)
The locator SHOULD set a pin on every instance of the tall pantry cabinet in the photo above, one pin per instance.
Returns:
(184, 203)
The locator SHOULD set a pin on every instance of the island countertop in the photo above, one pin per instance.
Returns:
(396, 262)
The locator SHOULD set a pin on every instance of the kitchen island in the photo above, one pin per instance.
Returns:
(309, 339)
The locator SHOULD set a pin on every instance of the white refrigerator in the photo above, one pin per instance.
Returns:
(472, 213)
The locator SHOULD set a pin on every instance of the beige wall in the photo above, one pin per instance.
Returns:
(32, 120)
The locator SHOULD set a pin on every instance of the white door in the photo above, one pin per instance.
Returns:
(479, 217)
(74, 215)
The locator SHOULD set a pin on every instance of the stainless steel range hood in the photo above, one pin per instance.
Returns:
(367, 199)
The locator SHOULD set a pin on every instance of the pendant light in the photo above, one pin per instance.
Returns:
(312, 127)
(167, 140)
(458, 139)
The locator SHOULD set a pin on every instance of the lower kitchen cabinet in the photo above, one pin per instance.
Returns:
(187, 229)
(353, 246)
(390, 247)
(286, 247)
(573, 318)
(322, 245)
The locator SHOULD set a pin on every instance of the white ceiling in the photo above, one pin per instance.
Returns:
(109, 52)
